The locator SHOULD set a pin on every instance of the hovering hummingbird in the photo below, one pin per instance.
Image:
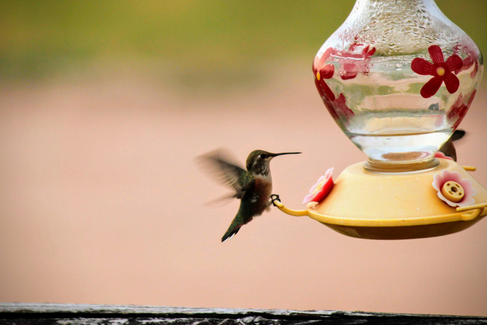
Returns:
(449, 148)
(252, 186)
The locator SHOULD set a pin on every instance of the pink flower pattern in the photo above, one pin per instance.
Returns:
(441, 178)
(321, 189)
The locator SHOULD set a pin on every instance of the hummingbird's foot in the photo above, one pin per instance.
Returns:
(275, 197)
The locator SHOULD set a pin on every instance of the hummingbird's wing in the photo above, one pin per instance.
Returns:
(227, 172)
(448, 148)
(457, 135)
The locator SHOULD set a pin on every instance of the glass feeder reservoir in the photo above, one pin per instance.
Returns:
(398, 77)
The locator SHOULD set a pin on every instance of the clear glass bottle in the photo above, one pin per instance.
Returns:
(398, 77)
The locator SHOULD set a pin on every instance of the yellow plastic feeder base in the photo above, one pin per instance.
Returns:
(374, 205)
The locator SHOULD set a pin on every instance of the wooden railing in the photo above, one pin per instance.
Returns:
(67, 314)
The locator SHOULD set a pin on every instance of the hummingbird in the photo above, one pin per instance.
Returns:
(449, 148)
(252, 186)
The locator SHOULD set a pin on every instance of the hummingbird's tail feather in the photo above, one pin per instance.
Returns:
(232, 230)
(229, 235)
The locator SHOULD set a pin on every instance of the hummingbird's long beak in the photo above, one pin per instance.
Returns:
(284, 153)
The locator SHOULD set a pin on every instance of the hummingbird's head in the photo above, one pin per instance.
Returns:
(258, 161)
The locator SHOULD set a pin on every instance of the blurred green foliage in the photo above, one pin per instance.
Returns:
(39, 38)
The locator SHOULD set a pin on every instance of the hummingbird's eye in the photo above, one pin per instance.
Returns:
(263, 156)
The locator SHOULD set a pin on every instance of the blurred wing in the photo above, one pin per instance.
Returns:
(457, 135)
(448, 148)
(226, 172)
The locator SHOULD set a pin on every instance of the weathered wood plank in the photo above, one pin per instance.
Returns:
(67, 314)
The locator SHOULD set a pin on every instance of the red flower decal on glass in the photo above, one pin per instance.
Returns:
(459, 109)
(338, 108)
(471, 60)
(323, 71)
(353, 63)
(441, 70)
(342, 108)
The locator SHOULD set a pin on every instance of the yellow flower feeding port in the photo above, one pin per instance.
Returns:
(398, 91)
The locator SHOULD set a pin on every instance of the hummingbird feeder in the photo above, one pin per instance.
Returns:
(397, 77)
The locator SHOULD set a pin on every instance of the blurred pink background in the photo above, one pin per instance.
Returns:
(104, 107)
(103, 203)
